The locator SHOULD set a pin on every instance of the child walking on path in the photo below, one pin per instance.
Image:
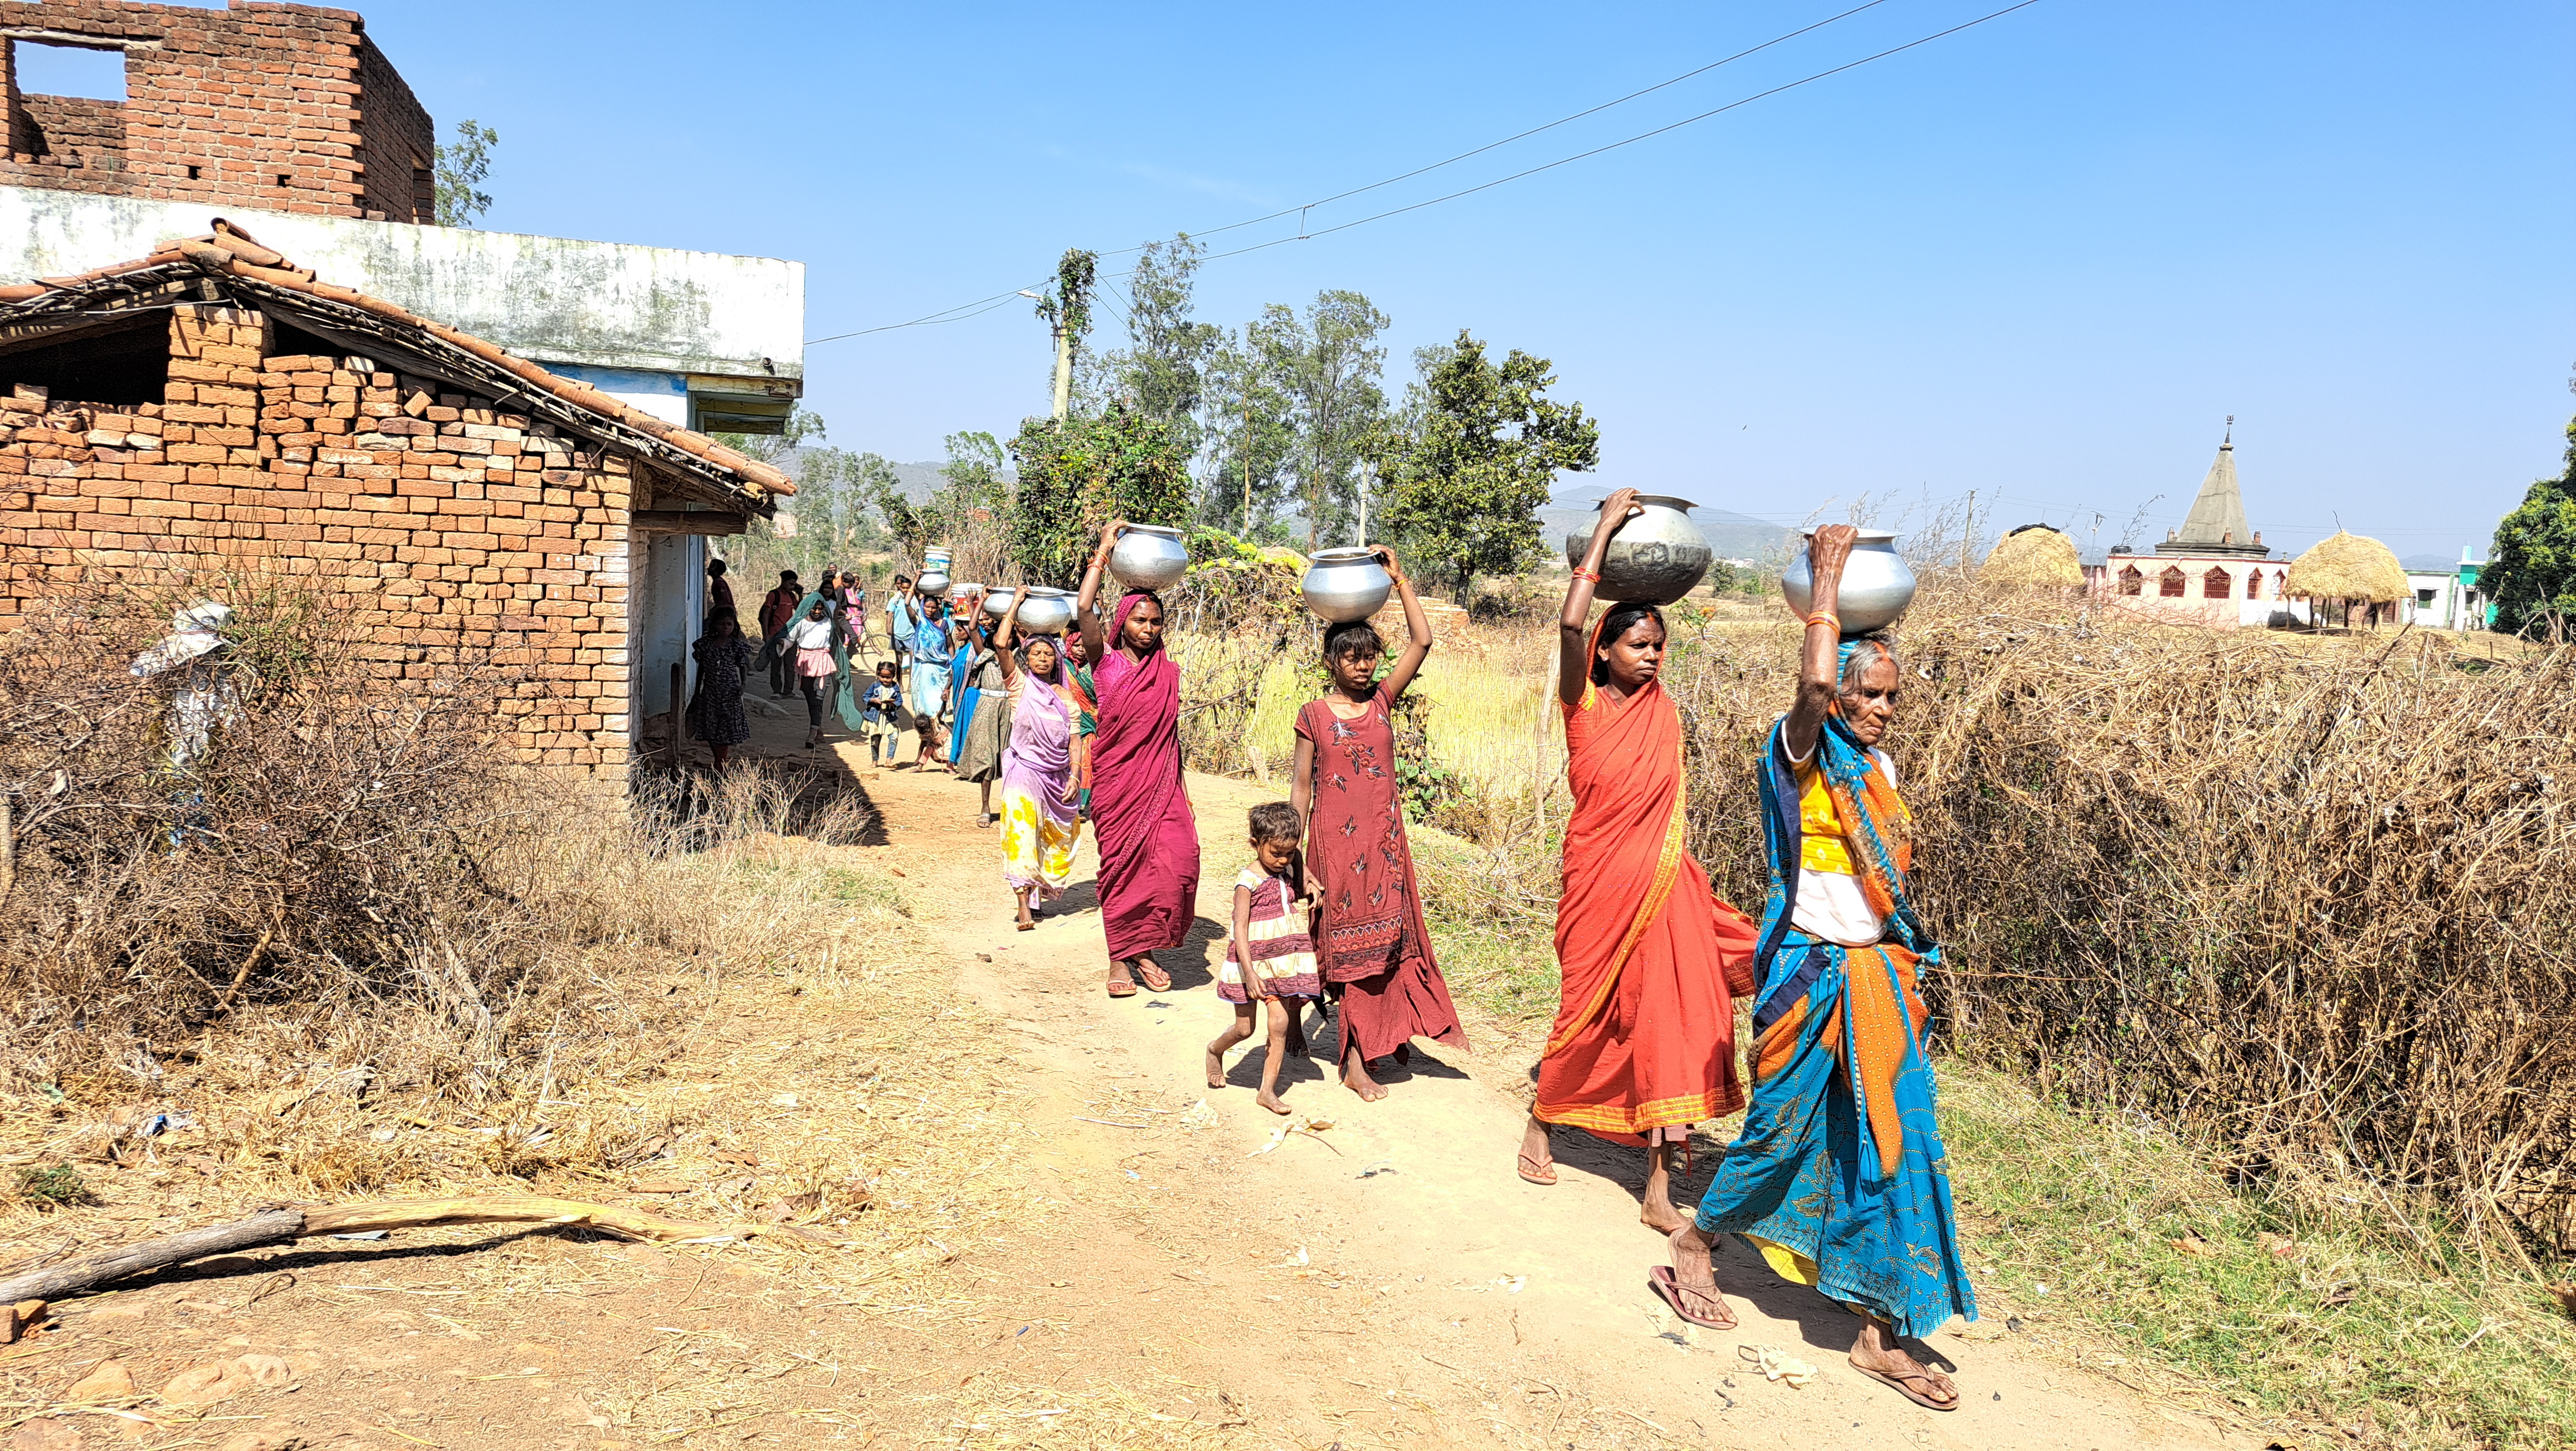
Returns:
(881, 718)
(1271, 957)
(1374, 948)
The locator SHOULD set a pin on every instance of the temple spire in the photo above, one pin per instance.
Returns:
(2216, 523)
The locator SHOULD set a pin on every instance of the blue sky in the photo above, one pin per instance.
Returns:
(2042, 259)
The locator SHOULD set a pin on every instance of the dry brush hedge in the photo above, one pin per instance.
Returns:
(357, 854)
(2317, 897)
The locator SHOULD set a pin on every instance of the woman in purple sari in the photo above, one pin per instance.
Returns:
(1040, 823)
(1140, 811)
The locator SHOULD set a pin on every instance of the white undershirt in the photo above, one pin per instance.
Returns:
(1831, 904)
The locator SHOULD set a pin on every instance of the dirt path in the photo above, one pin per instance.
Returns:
(1426, 1262)
(1064, 1252)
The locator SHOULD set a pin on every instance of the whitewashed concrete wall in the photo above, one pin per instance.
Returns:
(552, 299)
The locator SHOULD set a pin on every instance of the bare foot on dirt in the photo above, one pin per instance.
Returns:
(1355, 1077)
(1216, 1067)
(1271, 1102)
(1877, 1355)
(1657, 1211)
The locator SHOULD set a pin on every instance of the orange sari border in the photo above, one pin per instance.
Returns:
(1660, 1113)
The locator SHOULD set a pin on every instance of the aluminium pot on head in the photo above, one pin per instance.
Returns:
(1655, 558)
(1342, 585)
(1149, 557)
(1877, 584)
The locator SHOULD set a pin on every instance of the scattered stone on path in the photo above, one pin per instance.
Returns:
(45, 1433)
(108, 1380)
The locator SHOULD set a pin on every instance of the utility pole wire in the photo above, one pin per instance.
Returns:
(944, 314)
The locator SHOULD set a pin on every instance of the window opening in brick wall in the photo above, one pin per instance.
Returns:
(2215, 585)
(69, 70)
(2254, 585)
(2170, 584)
(192, 173)
(2131, 581)
(283, 179)
(286, 340)
(124, 366)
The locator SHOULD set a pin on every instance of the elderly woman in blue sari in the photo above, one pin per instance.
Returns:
(1838, 1178)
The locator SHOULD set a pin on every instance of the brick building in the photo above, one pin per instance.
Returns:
(289, 108)
(494, 442)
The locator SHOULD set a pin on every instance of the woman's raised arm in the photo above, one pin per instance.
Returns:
(1819, 657)
(1086, 603)
(1002, 635)
(1417, 627)
(1573, 624)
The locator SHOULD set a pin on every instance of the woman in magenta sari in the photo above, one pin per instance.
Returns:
(1140, 811)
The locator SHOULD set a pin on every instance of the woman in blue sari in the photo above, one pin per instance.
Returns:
(1838, 1178)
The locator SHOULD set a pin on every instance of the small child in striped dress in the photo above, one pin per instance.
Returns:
(1271, 957)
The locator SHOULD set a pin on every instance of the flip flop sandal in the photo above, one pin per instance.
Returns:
(1155, 978)
(1025, 926)
(1121, 989)
(1536, 1172)
(1669, 1289)
(1897, 1383)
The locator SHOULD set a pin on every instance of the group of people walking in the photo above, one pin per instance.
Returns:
(1837, 1178)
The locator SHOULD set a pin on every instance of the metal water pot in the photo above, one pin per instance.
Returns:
(1655, 558)
(1045, 611)
(1149, 556)
(1342, 585)
(933, 584)
(997, 600)
(1876, 587)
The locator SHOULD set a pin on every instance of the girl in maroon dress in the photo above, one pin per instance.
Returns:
(1372, 945)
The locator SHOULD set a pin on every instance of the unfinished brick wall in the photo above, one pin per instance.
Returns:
(285, 107)
(462, 530)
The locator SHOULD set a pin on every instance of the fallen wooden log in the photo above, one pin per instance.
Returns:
(282, 1226)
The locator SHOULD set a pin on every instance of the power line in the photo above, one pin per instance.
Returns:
(960, 313)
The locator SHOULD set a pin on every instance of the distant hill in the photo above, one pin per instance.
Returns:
(1732, 535)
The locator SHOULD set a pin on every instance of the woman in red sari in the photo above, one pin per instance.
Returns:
(1373, 948)
(1140, 811)
(1649, 959)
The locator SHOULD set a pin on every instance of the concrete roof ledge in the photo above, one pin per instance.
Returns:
(548, 299)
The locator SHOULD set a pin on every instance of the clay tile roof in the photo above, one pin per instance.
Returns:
(233, 264)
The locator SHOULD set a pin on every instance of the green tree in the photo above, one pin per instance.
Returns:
(1078, 473)
(2531, 572)
(1328, 365)
(459, 167)
(1250, 441)
(1467, 479)
(1163, 371)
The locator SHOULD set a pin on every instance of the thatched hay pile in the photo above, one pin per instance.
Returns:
(2348, 567)
(2312, 896)
(2034, 556)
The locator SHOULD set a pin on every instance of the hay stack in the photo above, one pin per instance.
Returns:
(2348, 567)
(2034, 556)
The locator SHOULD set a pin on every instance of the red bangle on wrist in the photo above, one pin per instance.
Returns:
(1580, 573)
